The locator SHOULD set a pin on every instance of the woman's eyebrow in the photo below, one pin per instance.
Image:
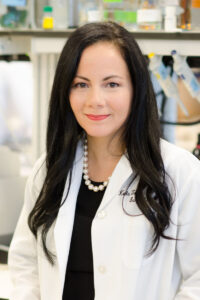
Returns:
(82, 77)
(111, 76)
(106, 78)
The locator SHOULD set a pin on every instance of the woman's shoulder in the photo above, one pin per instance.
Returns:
(177, 159)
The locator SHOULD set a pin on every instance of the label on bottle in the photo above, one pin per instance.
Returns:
(149, 15)
(14, 2)
(130, 16)
(195, 3)
(170, 23)
(112, 1)
(47, 23)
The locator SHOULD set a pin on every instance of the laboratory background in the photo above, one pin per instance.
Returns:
(32, 34)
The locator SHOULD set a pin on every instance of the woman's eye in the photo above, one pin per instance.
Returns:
(80, 85)
(113, 84)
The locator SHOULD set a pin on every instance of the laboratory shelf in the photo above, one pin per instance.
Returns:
(43, 41)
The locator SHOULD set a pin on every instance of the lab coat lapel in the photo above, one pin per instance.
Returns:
(119, 176)
(64, 223)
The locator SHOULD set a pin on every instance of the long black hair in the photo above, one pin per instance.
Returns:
(141, 135)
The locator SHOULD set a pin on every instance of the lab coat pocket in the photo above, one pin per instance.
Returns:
(135, 241)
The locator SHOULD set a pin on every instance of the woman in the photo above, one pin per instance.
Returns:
(112, 210)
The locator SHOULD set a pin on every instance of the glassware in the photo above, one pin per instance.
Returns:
(129, 15)
(185, 17)
(39, 5)
(149, 16)
(60, 13)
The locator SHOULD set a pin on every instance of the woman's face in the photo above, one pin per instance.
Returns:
(102, 91)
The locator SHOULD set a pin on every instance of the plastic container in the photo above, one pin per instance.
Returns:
(184, 71)
(16, 13)
(170, 19)
(149, 15)
(169, 87)
(48, 21)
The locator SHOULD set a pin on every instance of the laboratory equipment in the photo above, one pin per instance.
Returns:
(182, 69)
(169, 87)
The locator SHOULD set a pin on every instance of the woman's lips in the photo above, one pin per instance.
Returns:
(97, 117)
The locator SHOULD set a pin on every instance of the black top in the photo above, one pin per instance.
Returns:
(79, 281)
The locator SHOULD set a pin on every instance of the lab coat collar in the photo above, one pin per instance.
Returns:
(121, 173)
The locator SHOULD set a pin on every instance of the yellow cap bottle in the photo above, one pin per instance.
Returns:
(47, 17)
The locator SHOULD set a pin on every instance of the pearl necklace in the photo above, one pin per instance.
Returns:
(90, 186)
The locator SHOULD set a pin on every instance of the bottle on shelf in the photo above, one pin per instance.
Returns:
(172, 12)
(89, 11)
(124, 12)
(73, 13)
(129, 14)
(196, 150)
(149, 15)
(185, 17)
(39, 6)
(169, 87)
(183, 70)
(48, 22)
(195, 14)
(170, 18)
(60, 13)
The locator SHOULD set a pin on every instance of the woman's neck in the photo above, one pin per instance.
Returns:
(103, 156)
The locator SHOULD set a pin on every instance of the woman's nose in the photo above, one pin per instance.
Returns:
(95, 97)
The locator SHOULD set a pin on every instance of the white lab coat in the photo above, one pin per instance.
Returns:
(119, 242)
